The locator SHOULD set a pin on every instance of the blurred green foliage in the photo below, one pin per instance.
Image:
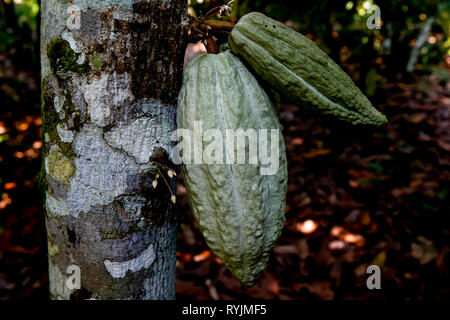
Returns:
(19, 28)
(27, 12)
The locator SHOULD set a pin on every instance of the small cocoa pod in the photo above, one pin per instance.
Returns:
(297, 68)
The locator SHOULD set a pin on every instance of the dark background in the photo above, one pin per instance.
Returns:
(356, 197)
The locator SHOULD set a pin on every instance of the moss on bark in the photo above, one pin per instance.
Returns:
(63, 59)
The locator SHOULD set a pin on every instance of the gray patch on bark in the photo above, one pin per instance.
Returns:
(56, 206)
(104, 94)
(142, 135)
(57, 280)
(64, 133)
(78, 97)
(56, 188)
(101, 171)
(134, 206)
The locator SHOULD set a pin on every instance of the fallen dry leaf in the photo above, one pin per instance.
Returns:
(423, 250)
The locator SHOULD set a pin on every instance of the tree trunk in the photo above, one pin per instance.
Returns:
(109, 101)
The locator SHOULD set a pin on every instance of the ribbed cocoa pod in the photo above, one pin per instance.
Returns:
(296, 67)
(239, 210)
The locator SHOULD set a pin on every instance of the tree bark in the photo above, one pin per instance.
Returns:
(109, 103)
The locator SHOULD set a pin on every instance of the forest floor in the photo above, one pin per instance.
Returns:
(356, 197)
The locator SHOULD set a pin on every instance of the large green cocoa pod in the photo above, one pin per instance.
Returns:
(239, 211)
(300, 70)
